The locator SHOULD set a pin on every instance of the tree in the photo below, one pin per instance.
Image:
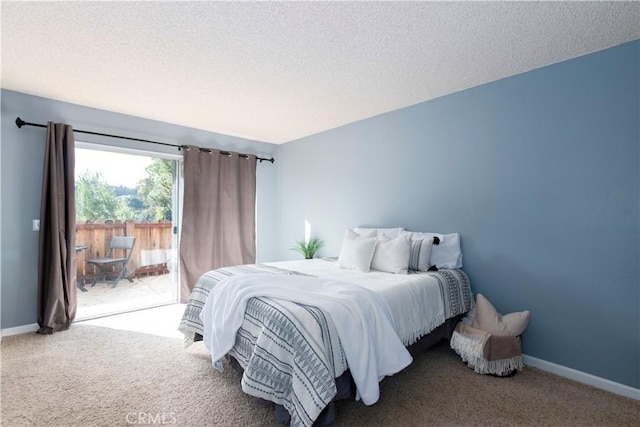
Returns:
(154, 190)
(125, 210)
(121, 190)
(95, 200)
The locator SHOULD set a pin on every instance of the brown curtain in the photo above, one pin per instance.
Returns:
(219, 214)
(56, 255)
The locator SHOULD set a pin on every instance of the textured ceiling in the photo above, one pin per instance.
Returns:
(278, 71)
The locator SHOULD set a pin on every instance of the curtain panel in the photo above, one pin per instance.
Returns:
(56, 255)
(219, 214)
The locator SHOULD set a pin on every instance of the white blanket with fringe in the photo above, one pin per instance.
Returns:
(420, 302)
(470, 344)
(362, 318)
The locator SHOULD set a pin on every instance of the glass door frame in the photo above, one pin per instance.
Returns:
(177, 191)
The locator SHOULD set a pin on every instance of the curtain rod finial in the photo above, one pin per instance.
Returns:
(20, 122)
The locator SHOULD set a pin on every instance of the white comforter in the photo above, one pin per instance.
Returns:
(364, 321)
(415, 299)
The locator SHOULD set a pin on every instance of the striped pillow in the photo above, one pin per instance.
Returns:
(419, 254)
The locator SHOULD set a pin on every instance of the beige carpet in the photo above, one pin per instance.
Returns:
(94, 375)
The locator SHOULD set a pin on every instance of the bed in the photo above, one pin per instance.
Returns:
(291, 353)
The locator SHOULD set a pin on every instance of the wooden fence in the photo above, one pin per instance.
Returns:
(151, 251)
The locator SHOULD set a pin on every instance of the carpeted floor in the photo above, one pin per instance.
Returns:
(95, 375)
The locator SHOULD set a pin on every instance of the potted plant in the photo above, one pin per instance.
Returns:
(308, 249)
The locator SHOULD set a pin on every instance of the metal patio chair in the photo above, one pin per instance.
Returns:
(114, 267)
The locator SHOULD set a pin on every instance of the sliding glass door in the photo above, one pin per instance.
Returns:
(125, 195)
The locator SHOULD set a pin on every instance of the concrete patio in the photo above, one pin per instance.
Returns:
(102, 299)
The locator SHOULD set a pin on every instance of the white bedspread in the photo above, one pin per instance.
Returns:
(364, 321)
(415, 299)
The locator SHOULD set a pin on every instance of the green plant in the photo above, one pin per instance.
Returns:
(308, 249)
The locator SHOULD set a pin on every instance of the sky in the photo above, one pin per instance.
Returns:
(116, 168)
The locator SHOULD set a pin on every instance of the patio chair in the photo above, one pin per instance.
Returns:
(115, 267)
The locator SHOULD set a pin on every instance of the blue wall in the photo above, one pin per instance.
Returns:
(538, 172)
(22, 153)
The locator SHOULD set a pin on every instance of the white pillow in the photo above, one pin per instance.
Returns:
(356, 253)
(446, 254)
(352, 234)
(391, 233)
(488, 319)
(392, 255)
(420, 254)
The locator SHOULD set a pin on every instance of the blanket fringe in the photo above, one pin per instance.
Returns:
(413, 336)
(498, 367)
(470, 348)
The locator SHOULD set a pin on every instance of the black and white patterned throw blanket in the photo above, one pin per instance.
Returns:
(291, 353)
(456, 292)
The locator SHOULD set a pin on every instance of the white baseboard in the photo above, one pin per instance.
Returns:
(25, 329)
(583, 377)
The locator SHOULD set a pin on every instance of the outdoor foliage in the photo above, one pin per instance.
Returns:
(150, 201)
(155, 190)
(95, 200)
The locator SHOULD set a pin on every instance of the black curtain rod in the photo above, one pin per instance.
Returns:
(20, 123)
